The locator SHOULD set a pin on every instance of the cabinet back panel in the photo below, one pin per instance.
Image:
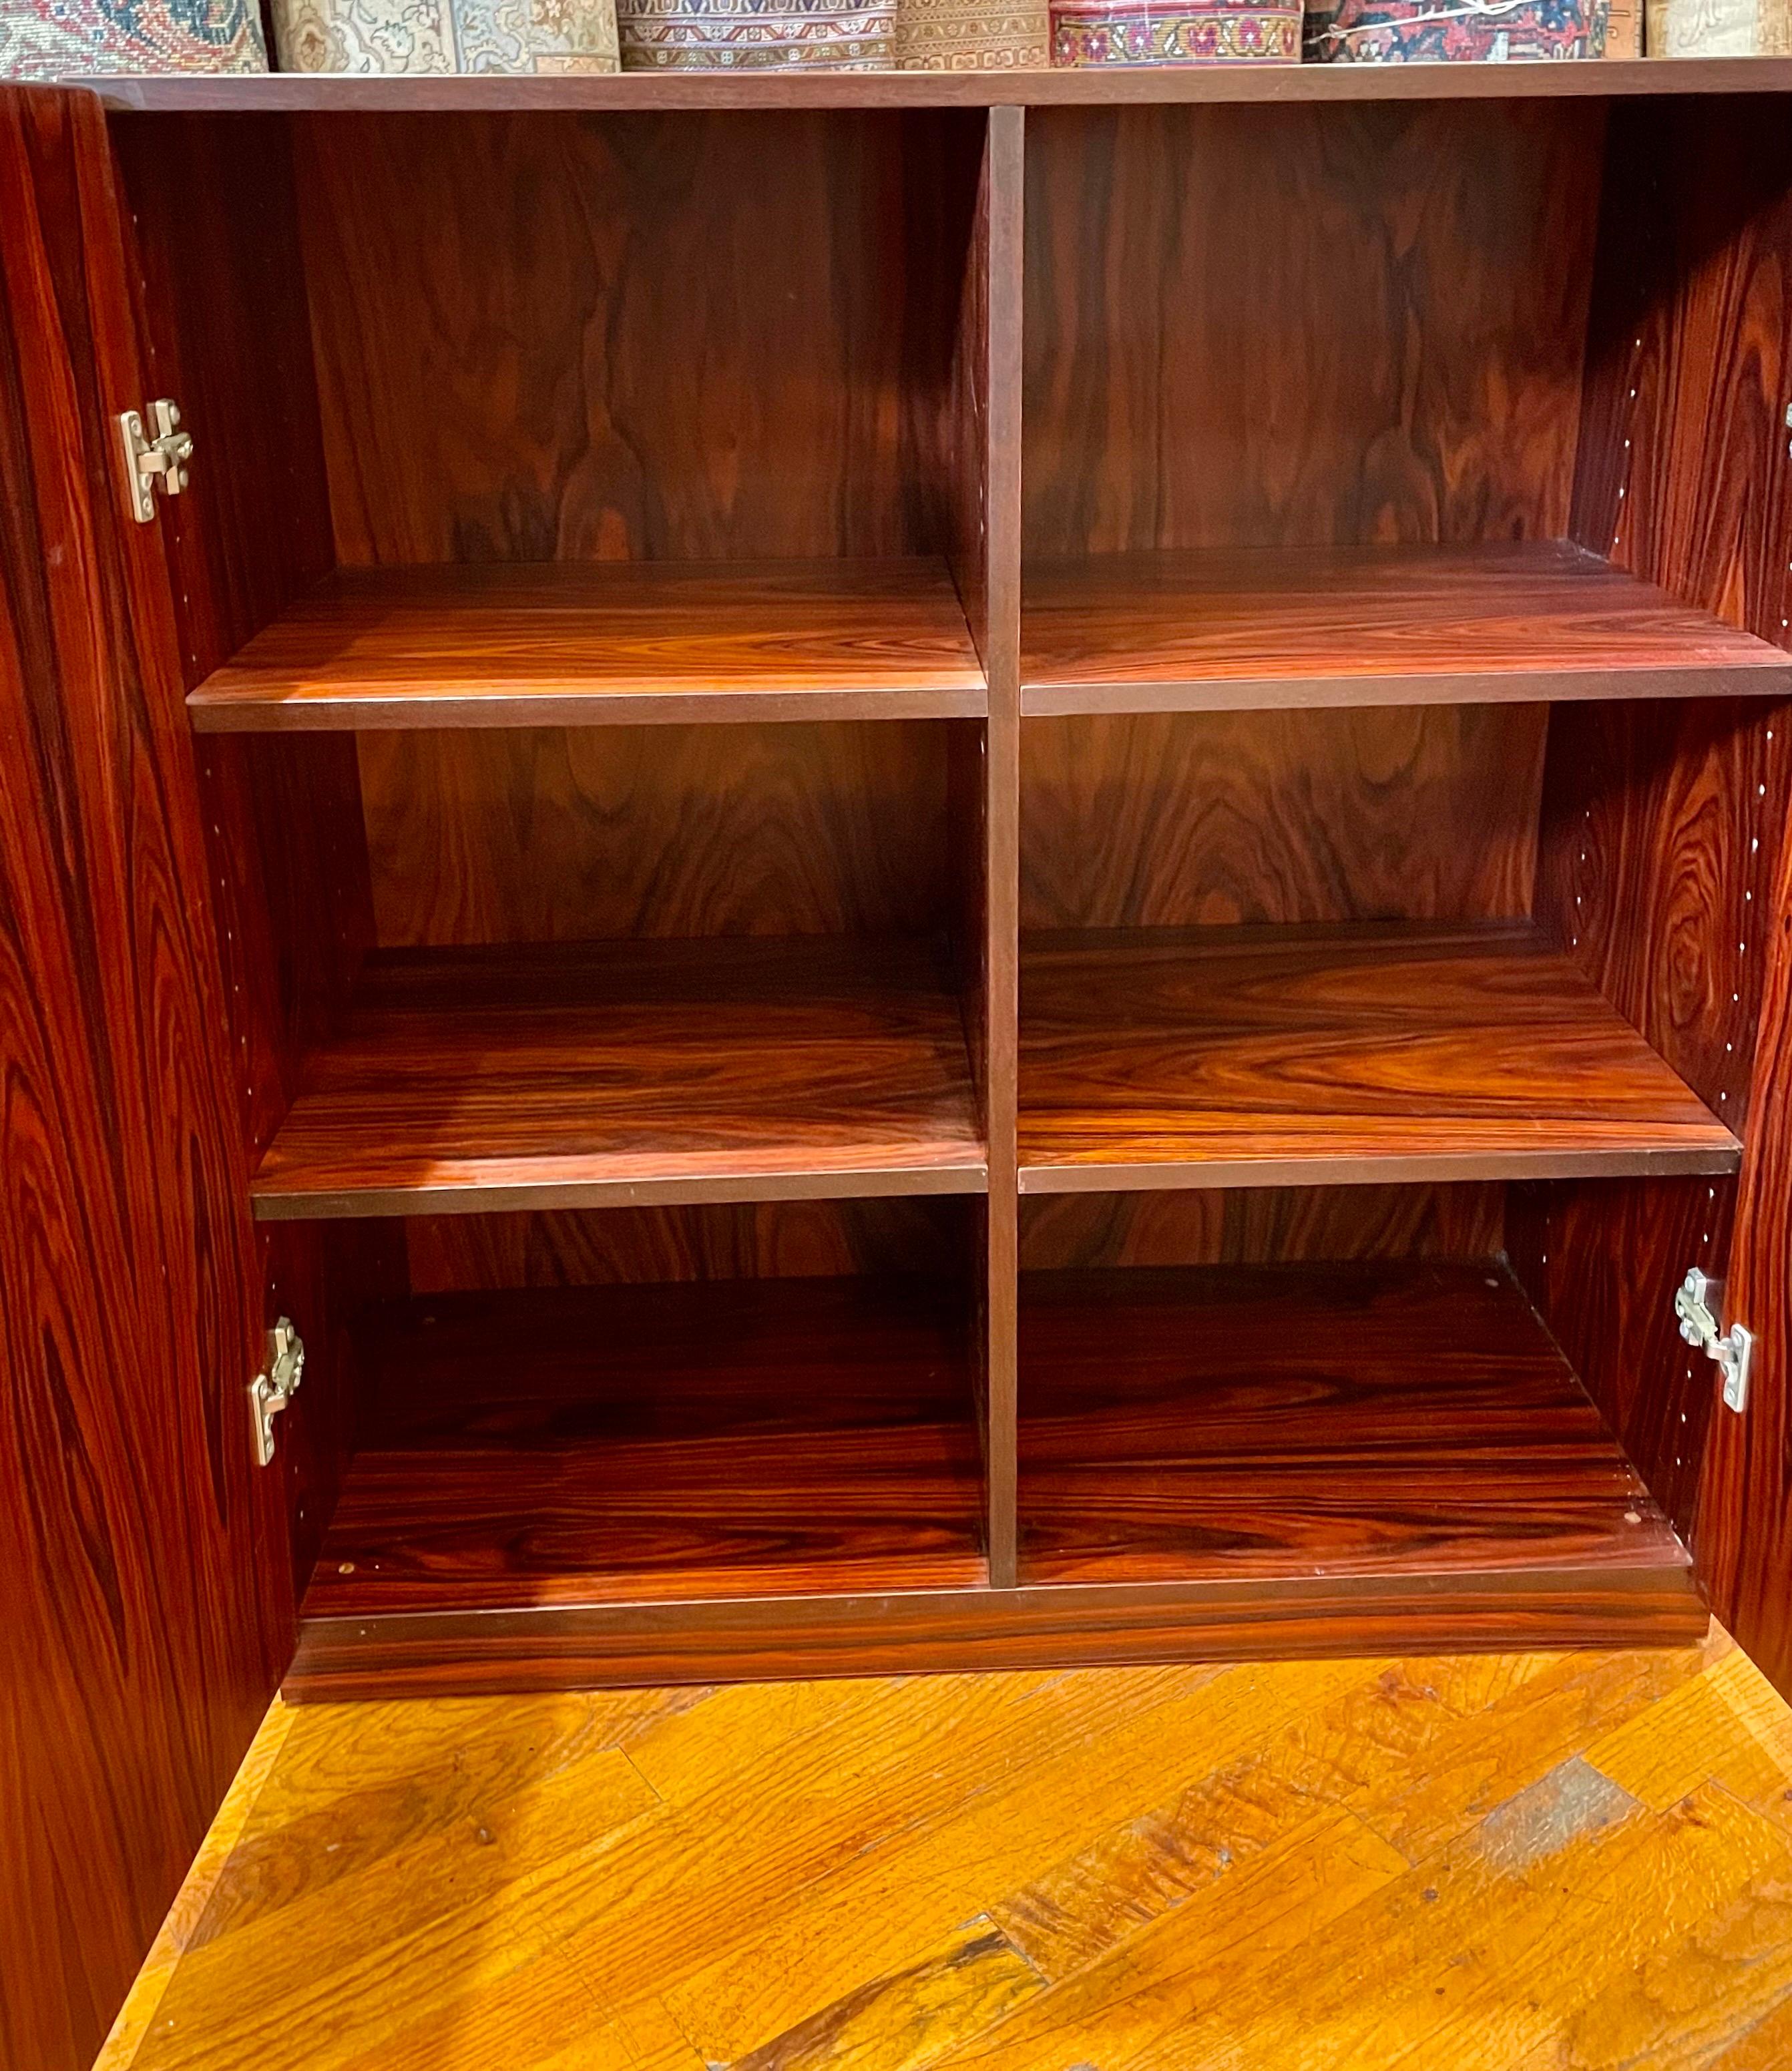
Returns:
(1261, 1226)
(561, 337)
(1189, 819)
(1300, 326)
(734, 1240)
(575, 834)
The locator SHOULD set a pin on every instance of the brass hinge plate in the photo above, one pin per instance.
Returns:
(1698, 1301)
(155, 458)
(270, 1391)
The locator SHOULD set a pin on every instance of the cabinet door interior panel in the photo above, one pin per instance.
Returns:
(1384, 1417)
(501, 644)
(1368, 625)
(485, 1080)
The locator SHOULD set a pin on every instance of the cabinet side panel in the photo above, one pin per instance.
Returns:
(1662, 826)
(1601, 1259)
(148, 1612)
(224, 330)
(1745, 1535)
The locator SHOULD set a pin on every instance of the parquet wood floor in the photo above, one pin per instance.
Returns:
(1534, 1863)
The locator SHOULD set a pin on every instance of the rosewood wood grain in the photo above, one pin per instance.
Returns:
(1261, 1057)
(800, 89)
(646, 374)
(743, 1438)
(1743, 1528)
(558, 1076)
(713, 1240)
(594, 833)
(223, 325)
(148, 1607)
(1261, 1226)
(922, 1632)
(1600, 1259)
(1663, 829)
(617, 643)
(1319, 1421)
(993, 385)
(1305, 326)
(1185, 819)
(1255, 627)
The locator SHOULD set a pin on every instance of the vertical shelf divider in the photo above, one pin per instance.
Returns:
(982, 435)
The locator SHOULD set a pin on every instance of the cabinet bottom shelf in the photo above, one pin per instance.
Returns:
(763, 1480)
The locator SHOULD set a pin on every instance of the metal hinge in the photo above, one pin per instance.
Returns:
(270, 1392)
(1697, 1302)
(152, 459)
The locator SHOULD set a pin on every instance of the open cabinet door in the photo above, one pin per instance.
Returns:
(145, 1590)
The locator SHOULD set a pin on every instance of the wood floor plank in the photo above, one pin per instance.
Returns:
(1161, 1983)
(1472, 1957)
(1342, 1753)
(1005, 1828)
(910, 2018)
(1535, 1863)
(1697, 2001)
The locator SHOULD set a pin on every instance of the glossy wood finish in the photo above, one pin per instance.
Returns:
(513, 1078)
(554, 644)
(649, 375)
(800, 89)
(1277, 1056)
(743, 1438)
(917, 1234)
(147, 1604)
(1663, 829)
(1305, 326)
(1399, 1420)
(1263, 1226)
(928, 1632)
(1199, 818)
(605, 832)
(1745, 1523)
(212, 237)
(988, 388)
(1367, 625)
(1553, 1863)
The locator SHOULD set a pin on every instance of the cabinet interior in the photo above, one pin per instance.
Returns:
(614, 742)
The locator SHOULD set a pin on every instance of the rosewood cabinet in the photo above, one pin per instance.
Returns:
(946, 871)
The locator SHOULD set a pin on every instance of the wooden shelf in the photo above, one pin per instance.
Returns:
(1095, 87)
(608, 643)
(1250, 628)
(1315, 1422)
(1271, 1057)
(646, 1444)
(559, 1075)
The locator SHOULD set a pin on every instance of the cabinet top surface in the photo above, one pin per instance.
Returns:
(1094, 87)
